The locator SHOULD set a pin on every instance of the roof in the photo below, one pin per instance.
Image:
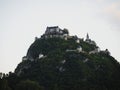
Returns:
(52, 27)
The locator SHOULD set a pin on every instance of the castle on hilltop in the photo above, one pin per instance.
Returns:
(55, 31)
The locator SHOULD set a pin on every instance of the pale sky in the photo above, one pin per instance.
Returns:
(22, 20)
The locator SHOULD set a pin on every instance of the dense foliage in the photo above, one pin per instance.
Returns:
(62, 70)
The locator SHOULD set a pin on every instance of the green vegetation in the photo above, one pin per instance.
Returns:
(28, 85)
(62, 70)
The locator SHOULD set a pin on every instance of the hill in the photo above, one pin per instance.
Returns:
(58, 61)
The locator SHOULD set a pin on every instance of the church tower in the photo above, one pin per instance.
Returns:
(87, 37)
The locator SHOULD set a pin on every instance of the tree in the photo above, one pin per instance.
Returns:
(4, 85)
(28, 85)
(1, 75)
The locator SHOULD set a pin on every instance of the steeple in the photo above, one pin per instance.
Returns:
(87, 37)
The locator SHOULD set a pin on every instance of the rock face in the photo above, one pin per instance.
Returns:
(65, 64)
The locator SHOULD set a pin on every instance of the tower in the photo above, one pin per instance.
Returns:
(88, 40)
(87, 37)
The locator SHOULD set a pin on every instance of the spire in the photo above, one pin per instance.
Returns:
(87, 37)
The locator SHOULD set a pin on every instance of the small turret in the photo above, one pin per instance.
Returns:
(107, 52)
(36, 38)
(88, 40)
(87, 37)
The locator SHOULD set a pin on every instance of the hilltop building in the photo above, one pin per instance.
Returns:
(106, 51)
(40, 56)
(55, 31)
(24, 58)
(97, 50)
(88, 40)
(79, 49)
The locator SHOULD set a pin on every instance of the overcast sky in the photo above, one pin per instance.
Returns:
(22, 20)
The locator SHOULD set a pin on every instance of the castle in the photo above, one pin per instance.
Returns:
(56, 32)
